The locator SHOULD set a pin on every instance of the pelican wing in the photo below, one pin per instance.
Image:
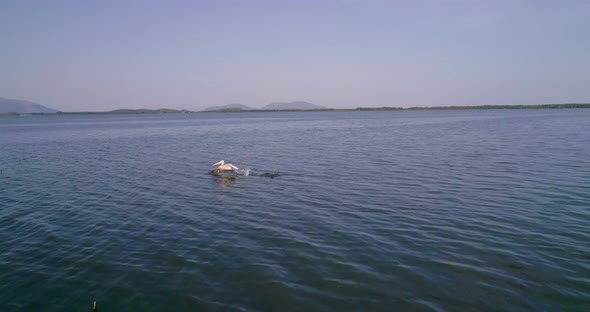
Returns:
(220, 163)
(233, 167)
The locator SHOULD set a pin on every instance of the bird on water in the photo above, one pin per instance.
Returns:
(223, 168)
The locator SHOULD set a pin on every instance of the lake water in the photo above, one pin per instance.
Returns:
(357, 211)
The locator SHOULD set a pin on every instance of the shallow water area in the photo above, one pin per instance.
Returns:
(402, 210)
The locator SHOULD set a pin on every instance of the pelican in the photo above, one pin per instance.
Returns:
(223, 168)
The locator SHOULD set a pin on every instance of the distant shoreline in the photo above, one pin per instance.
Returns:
(358, 109)
(388, 108)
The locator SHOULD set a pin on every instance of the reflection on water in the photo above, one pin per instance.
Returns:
(226, 180)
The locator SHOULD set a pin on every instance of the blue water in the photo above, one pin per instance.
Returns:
(361, 211)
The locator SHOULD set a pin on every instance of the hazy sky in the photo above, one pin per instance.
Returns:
(102, 55)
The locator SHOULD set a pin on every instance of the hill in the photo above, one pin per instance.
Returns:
(228, 107)
(147, 111)
(23, 107)
(292, 106)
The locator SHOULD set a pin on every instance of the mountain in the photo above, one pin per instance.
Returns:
(23, 107)
(228, 107)
(292, 105)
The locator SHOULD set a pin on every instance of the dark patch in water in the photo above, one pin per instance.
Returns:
(268, 175)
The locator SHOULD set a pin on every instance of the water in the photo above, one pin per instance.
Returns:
(422, 211)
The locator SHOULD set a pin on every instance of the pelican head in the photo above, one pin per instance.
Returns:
(220, 163)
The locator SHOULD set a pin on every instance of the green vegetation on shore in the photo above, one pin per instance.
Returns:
(8, 114)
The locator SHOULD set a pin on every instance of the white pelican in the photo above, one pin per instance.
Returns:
(223, 168)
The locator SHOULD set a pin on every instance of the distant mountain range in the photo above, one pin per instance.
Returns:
(298, 105)
(292, 105)
(23, 107)
(9, 107)
(12, 106)
(228, 107)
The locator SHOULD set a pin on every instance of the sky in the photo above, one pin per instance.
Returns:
(103, 55)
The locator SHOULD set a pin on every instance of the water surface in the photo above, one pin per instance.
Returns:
(402, 210)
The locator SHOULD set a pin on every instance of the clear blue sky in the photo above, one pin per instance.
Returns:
(101, 55)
